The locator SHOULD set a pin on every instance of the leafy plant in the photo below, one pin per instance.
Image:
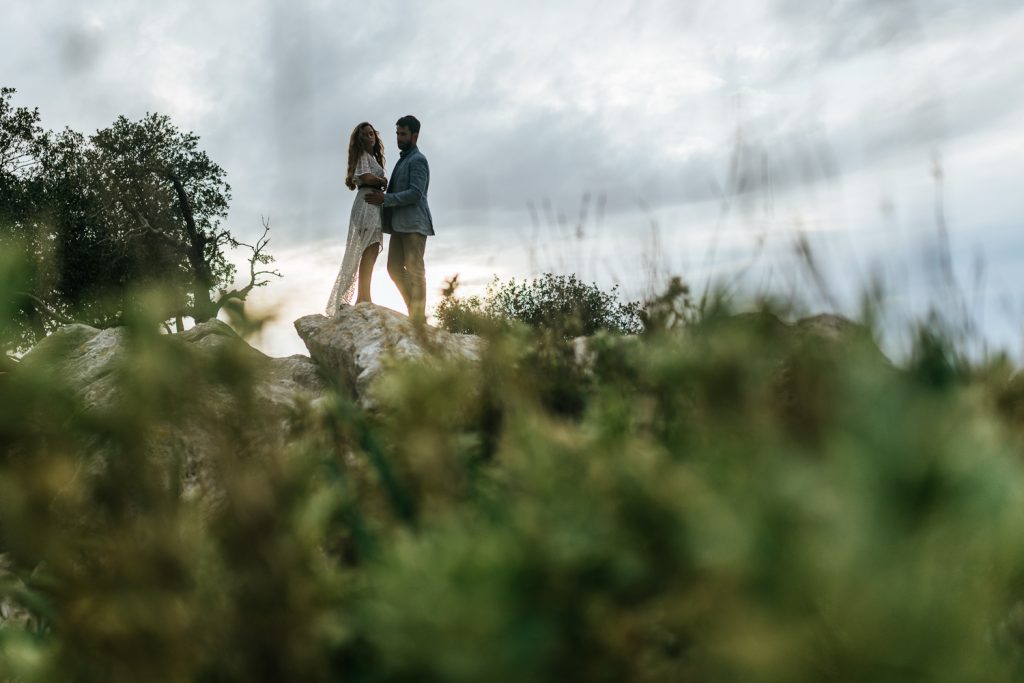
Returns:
(559, 302)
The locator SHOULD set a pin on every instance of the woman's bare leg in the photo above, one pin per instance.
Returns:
(366, 272)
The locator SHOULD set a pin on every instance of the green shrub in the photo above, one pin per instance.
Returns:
(559, 302)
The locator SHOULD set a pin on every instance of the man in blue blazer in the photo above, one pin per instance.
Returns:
(406, 217)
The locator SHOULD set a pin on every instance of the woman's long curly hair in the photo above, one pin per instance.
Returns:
(355, 148)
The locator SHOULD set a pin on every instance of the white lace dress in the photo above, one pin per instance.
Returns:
(363, 231)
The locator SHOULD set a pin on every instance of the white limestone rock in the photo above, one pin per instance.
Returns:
(91, 363)
(352, 346)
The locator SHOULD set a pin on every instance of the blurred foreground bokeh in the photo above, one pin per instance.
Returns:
(720, 498)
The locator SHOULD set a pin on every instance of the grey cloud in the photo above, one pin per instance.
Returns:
(840, 29)
(282, 84)
(81, 48)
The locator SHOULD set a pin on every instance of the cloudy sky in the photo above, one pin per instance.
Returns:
(620, 140)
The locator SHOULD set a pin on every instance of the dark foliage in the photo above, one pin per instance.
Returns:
(134, 205)
(561, 303)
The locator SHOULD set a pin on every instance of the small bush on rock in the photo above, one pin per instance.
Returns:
(562, 303)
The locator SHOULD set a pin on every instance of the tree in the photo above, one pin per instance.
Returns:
(101, 218)
(21, 145)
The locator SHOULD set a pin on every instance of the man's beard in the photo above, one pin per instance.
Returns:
(404, 145)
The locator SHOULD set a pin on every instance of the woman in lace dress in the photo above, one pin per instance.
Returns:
(365, 173)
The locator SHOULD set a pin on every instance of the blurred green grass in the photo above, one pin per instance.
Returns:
(726, 498)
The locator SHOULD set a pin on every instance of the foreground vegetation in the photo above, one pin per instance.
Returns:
(722, 498)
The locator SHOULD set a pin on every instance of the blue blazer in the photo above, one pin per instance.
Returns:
(405, 202)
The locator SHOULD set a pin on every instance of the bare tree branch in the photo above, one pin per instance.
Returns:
(15, 163)
(45, 309)
(258, 257)
(159, 234)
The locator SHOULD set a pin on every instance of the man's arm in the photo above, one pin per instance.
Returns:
(419, 177)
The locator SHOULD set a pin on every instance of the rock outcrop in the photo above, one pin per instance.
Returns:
(206, 413)
(91, 363)
(350, 350)
(87, 359)
(351, 347)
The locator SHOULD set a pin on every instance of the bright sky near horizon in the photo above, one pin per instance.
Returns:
(620, 140)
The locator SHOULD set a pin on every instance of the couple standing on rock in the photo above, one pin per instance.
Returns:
(398, 207)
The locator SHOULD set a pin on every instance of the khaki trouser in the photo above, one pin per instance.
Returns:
(405, 266)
